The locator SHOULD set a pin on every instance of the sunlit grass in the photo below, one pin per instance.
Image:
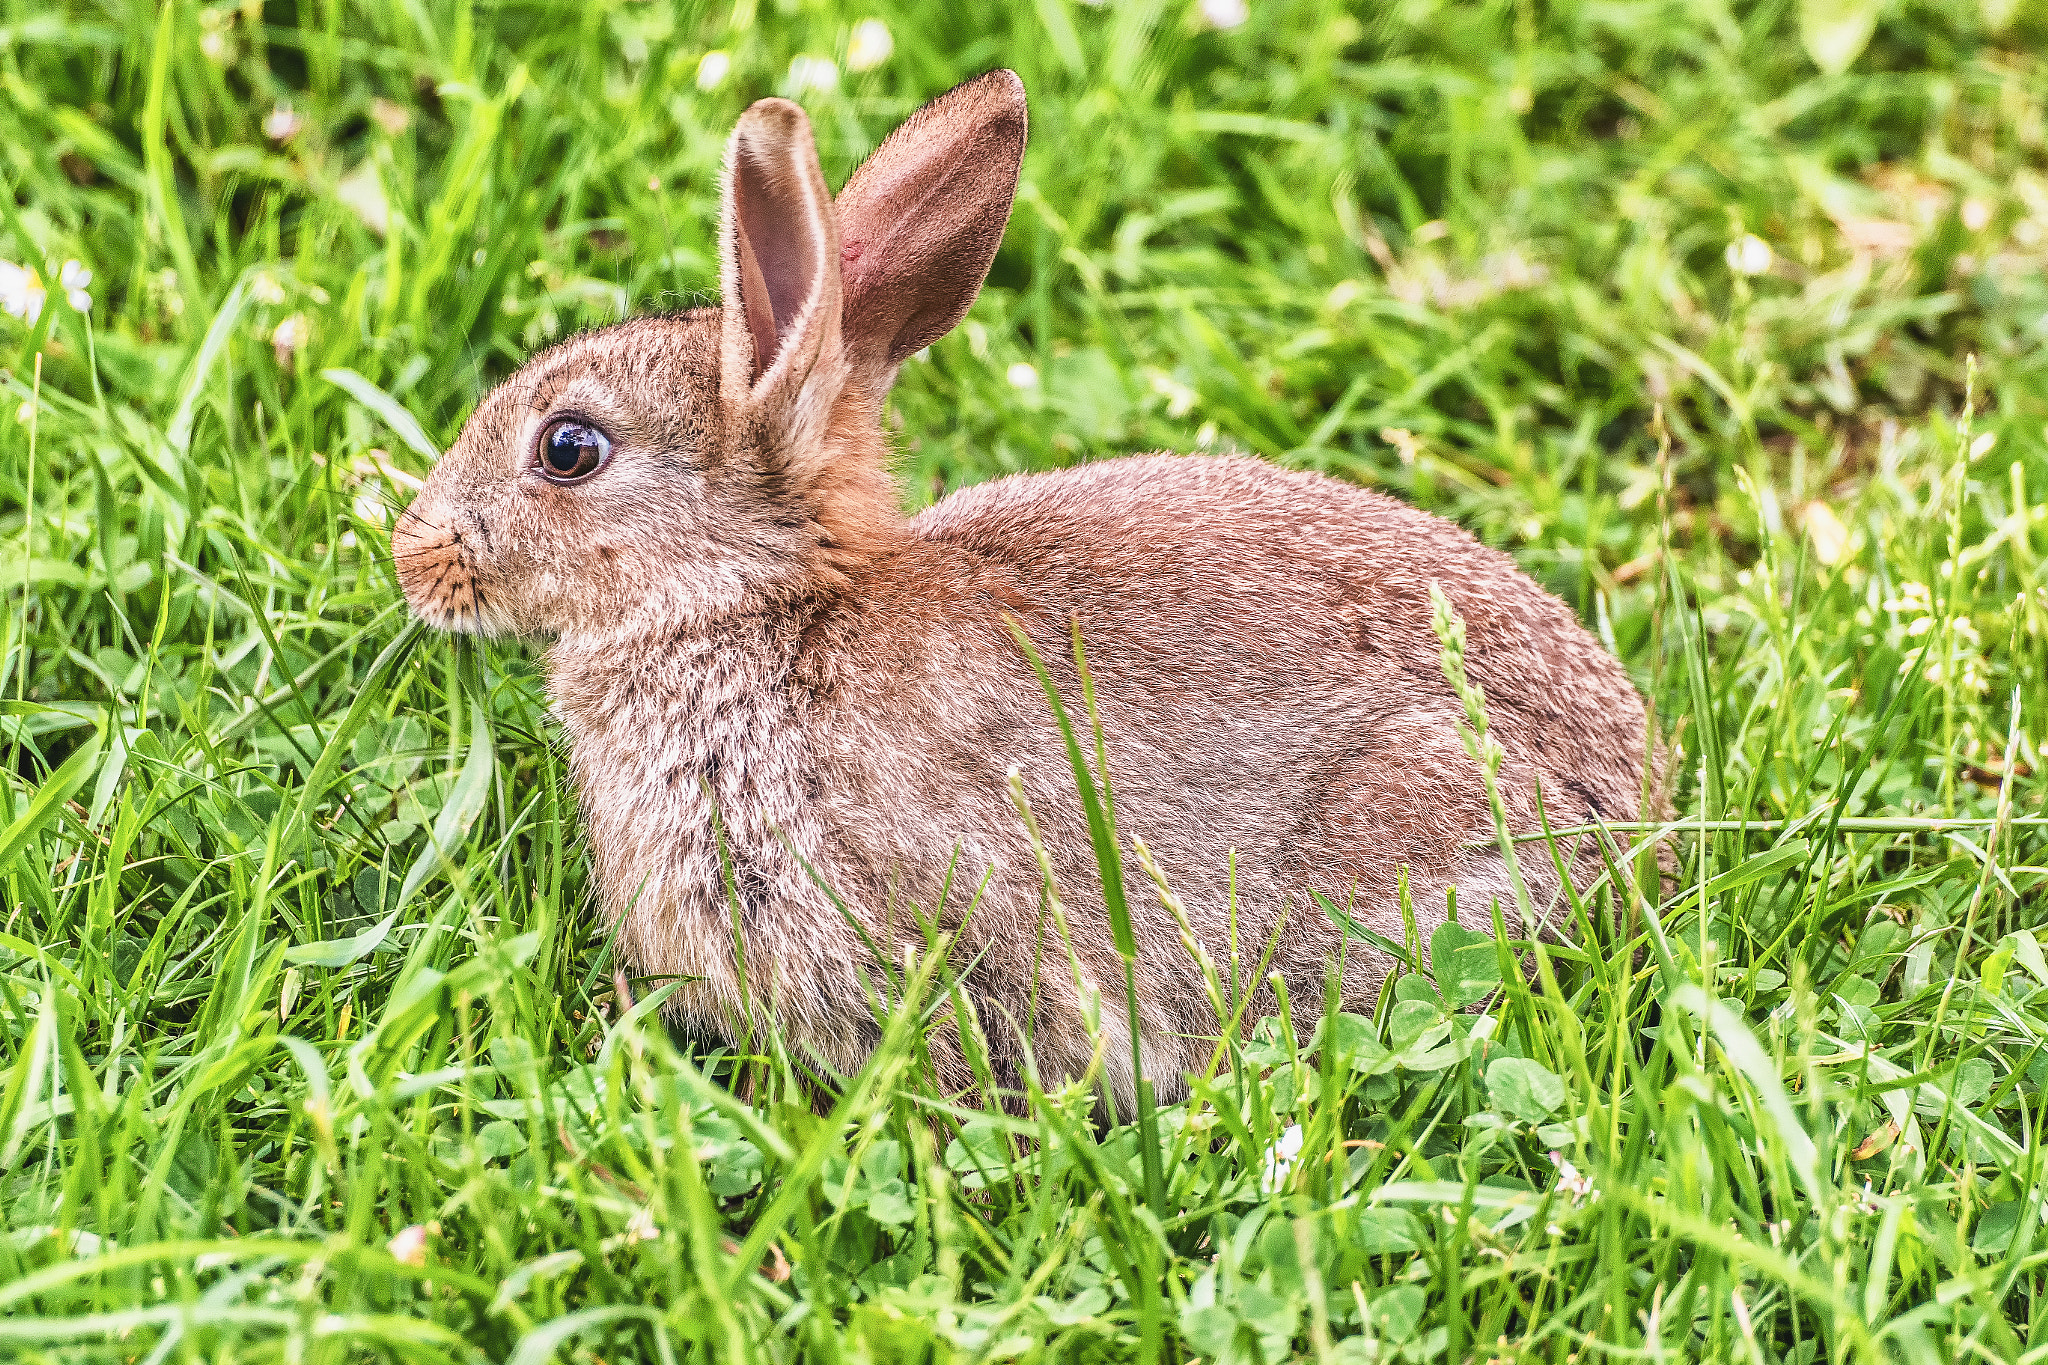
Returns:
(310, 1048)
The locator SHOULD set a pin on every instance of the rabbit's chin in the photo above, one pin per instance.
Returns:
(482, 619)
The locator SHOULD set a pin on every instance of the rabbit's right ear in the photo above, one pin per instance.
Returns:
(778, 236)
(919, 223)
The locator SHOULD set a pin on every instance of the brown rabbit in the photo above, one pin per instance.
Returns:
(695, 512)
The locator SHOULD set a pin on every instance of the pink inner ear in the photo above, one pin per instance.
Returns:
(760, 316)
(778, 246)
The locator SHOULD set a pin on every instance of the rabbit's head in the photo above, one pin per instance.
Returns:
(670, 470)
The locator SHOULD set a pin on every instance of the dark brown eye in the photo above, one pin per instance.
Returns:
(571, 451)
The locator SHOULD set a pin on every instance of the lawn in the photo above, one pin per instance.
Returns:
(1729, 323)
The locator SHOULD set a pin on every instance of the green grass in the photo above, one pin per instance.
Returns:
(311, 1050)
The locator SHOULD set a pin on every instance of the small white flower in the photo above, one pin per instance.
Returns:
(870, 45)
(290, 338)
(1749, 254)
(264, 288)
(1406, 443)
(712, 70)
(281, 124)
(1976, 214)
(1180, 399)
(409, 1247)
(1225, 13)
(1022, 375)
(1579, 1187)
(1280, 1160)
(21, 292)
(74, 278)
(1913, 600)
(641, 1226)
(807, 73)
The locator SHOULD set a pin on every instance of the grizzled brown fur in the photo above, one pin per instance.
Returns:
(740, 619)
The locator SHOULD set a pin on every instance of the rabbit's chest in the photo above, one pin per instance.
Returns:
(693, 781)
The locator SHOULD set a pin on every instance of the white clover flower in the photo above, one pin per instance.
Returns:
(1749, 254)
(74, 278)
(1279, 1160)
(290, 338)
(409, 1247)
(712, 70)
(1579, 1187)
(870, 45)
(808, 73)
(1022, 375)
(21, 292)
(281, 124)
(1225, 14)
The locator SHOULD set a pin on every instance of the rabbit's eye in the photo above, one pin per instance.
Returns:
(572, 451)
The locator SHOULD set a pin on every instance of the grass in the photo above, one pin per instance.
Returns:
(310, 1049)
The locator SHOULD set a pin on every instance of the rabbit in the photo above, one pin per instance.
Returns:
(773, 682)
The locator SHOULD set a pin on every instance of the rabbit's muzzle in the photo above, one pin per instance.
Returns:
(439, 572)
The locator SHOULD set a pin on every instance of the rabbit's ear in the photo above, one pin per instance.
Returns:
(779, 245)
(919, 223)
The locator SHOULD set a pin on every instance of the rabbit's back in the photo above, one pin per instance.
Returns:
(1229, 584)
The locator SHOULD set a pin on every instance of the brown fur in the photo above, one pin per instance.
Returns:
(742, 622)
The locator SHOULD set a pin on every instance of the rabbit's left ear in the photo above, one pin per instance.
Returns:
(920, 222)
(779, 249)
